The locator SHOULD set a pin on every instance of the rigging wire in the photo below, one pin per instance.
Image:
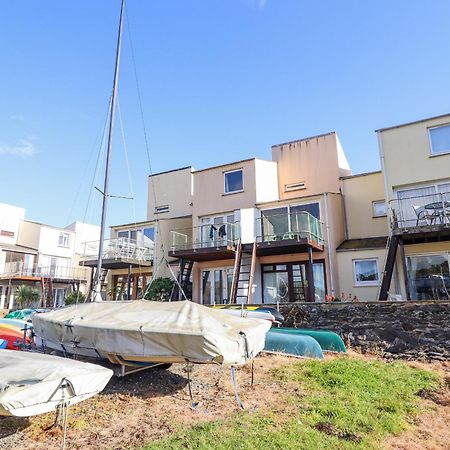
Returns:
(152, 182)
(130, 181)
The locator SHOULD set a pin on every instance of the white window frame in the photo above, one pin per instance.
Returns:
(431, 143)
(224, 183)
(373, 208)
(365, 283)
(63, 237)
(212, 291)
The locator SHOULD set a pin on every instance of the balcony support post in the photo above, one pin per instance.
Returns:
(129, 283)
(310, 276)
(401, 249)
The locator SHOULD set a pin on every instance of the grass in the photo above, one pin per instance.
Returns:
(341, 404)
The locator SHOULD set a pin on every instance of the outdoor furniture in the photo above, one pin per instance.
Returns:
(422, 214)
(439, 210)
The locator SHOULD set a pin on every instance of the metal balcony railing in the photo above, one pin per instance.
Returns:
(119, 248)
(289, 226)
(19, 269)
(205, 236)
(419, 211)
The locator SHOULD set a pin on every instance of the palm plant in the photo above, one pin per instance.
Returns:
(27, 296)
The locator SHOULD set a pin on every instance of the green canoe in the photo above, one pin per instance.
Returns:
(328, 340)
(292, 344)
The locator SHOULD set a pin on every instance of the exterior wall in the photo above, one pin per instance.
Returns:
(209, 195)
(84, 232)
(344, 264)
(266, 179)
(318, 162)
(359, 192)
(10, 219)
(48, 242)
(29, 234)
(406, 155)
(334, 235)
(173, 189)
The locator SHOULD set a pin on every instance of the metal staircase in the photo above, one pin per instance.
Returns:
(184, 278)
(243, 274)
(47, 292)
(386, 276)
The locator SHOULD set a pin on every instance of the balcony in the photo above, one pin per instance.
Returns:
(422, 218)
(19, 271)
(119, 253)
(205, 242)
(288, 233)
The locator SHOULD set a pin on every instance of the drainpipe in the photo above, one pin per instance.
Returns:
(327, 227)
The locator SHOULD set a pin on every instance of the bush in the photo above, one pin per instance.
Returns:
(159, 290)
(74, 297)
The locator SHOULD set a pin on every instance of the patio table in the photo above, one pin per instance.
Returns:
(439, 209)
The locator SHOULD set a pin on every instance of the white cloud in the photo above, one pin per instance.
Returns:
(25, 149)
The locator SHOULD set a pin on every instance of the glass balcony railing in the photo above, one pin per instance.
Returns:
(419, 211)
(205, 236)
(119, 248)
(20, 269)
(292, 226)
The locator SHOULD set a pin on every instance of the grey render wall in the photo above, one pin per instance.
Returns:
(407, 329)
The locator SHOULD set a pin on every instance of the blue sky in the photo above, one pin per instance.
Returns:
(221, 80)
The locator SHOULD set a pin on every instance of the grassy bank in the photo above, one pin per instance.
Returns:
(341, 403)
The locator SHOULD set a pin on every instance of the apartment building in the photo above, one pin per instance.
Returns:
(415, 159)
(286, 212)
(41, 256)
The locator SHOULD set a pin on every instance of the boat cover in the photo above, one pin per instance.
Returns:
(147, 331)
(34, 383)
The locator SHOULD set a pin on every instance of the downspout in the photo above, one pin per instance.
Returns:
(327, 227)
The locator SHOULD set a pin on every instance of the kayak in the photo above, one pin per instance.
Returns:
(12, 331)
(23, 314)
(328, 340)
(292, 344)
(256, 308)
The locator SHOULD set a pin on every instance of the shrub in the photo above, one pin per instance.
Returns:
(160, 289)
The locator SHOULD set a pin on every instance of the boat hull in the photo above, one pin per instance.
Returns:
(293, 344)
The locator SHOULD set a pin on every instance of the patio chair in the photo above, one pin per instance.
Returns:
(423, 214)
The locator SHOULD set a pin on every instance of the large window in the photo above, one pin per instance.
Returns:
(217, 230)
(277, 222)
(289, 282)
(429, 277)
(216, 286)
(440, 139)
(234, 181)
(366, 272)
(144, 237)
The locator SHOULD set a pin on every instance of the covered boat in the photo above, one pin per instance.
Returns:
(141, 331)
(34, 383)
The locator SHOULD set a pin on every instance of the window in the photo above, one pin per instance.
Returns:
(366, 272)
(234, 181)
(216, 286)
(143, 236)
(429, 276)
(379, 208)
(440, 139)
(64, 239)
(161, 209)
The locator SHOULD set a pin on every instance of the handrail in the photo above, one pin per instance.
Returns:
(17, 269)
(205, 236)
(294, 225)
(119, 248)
(420, 210)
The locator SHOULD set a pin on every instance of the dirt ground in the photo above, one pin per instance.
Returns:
(134, 410)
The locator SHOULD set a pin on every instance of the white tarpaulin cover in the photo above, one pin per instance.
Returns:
(34, 383)
(144, 331)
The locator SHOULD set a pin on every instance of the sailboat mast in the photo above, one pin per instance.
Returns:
(97, 282)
